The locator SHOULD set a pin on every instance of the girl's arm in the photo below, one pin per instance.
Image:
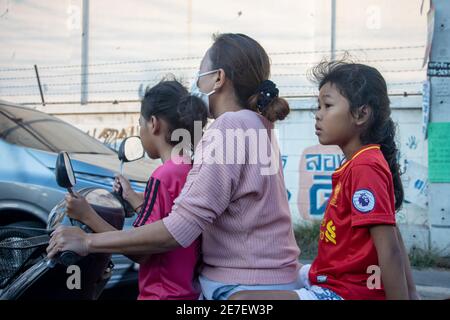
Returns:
(413, 295)
(79, 209)
(390, 261)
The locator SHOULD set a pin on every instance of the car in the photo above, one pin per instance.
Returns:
(30, 141)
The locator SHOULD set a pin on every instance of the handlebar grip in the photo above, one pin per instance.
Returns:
(129, 210)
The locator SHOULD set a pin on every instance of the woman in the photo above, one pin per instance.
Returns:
(234, 197)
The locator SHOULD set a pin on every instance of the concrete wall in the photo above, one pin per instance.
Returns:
(301, 154)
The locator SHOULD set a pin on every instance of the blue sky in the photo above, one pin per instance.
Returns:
(48, 33)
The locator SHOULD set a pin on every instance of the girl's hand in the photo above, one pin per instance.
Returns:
(127, 191)
(68, 239)
(121, 181)
(78, 208)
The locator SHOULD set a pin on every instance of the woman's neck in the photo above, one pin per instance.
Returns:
(226, 108)
(226, 102)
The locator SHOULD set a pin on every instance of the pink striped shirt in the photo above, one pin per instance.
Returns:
(243, 215)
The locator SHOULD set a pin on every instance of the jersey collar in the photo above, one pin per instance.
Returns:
(358, 153)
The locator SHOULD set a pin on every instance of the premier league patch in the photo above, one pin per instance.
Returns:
(363, 200)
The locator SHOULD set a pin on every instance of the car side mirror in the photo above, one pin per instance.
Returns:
(131, 149)
(65, 176)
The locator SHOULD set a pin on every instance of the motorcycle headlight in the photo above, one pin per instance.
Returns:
(56, 215)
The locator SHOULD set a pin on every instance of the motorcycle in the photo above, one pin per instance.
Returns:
(25, 271)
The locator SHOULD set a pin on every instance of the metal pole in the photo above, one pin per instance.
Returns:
(189, 26)
(39, 84)
(333, 30)
(85, 53)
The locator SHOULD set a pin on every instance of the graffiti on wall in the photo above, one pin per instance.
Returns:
(317, 163)
(284, 161)
(112, 136)
(415, 183)
(412, 142)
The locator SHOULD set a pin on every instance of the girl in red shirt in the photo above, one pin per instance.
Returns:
(361, 253)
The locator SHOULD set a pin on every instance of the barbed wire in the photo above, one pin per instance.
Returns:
(42, 77)
(402, 92)
(362, 60)
(199, 57)
(152, 81)
(79, 83)
(382, 71)
(388, 84)
(72, 93)
(98, 73)
(193, 67)
(349, 50)
(169, 69)
(284, 95)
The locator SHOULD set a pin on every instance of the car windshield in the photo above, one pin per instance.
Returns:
(33, 129)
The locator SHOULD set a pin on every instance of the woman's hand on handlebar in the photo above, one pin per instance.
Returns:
(68, 239)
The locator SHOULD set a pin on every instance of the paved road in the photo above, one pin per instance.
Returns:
(432, 283)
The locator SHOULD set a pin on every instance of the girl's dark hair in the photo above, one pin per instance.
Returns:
(364, 85)
(170, 101)
(247, 65)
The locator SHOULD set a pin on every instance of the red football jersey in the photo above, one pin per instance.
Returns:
(363, 196)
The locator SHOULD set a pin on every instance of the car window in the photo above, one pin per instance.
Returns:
(29, 128)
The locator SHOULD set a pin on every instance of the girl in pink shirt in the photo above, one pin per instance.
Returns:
(165, 107)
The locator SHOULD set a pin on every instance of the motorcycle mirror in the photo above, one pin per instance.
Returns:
(65, 176)
(131, 149)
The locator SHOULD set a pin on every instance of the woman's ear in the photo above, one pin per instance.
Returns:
(363, 115)
(220, 81)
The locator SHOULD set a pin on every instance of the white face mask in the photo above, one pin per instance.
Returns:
(195, 90)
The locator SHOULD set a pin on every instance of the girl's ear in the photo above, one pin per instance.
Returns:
(363, 115)
(220, 81)
(154, 125)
